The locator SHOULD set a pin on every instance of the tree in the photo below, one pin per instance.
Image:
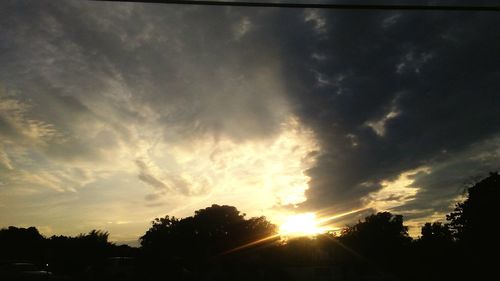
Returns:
(21, 243)
(471, 219)
(160, 231)
(73, 255)
(206, 242)
(95, 236)
(211, 231)
(380, 229)
(380, 242)
(472, 224)
(436, 233)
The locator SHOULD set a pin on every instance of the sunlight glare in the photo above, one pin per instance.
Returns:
(300, 225)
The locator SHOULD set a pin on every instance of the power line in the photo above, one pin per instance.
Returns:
(437, 7)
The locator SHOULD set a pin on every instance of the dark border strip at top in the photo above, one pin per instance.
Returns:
(320, 6)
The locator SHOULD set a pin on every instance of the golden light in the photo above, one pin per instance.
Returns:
(308, 224)
(326, 218)
(300, 225)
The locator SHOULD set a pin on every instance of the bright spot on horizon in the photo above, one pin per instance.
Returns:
(300, 225)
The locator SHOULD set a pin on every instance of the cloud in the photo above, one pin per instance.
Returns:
(442, 97)
(448, 179)
(396, 193)
(315, 17)
(16, 126)
(153, 196)
(241, 28)
(314, 109)
(378, 125)
(5, 159)
(146, 176)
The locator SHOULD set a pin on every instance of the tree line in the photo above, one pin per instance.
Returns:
(219, 243)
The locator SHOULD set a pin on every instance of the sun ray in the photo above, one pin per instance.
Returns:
(253, 243)
(324, 219)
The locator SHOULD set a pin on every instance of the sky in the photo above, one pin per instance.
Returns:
(112, 114)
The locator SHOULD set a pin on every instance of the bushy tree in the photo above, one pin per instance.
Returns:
(380, 241)
(471, 220)
(472, 226)
(211, 231)
(379, 229)
(21, 243)
(436, 233)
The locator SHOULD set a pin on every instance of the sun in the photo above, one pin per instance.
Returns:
(300, 225)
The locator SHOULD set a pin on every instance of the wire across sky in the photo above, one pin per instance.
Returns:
(434, 7)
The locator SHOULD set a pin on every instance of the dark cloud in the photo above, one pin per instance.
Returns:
(429, 76)
(196, 80)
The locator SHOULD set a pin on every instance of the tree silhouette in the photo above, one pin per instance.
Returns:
(380, 242)
(74, 255)
(65, 255)
(378, 232)
(436, 233)
(210, 231)
(434, 252)
(195, 241)
(21, 243)
(472, 225)
(471, 218)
